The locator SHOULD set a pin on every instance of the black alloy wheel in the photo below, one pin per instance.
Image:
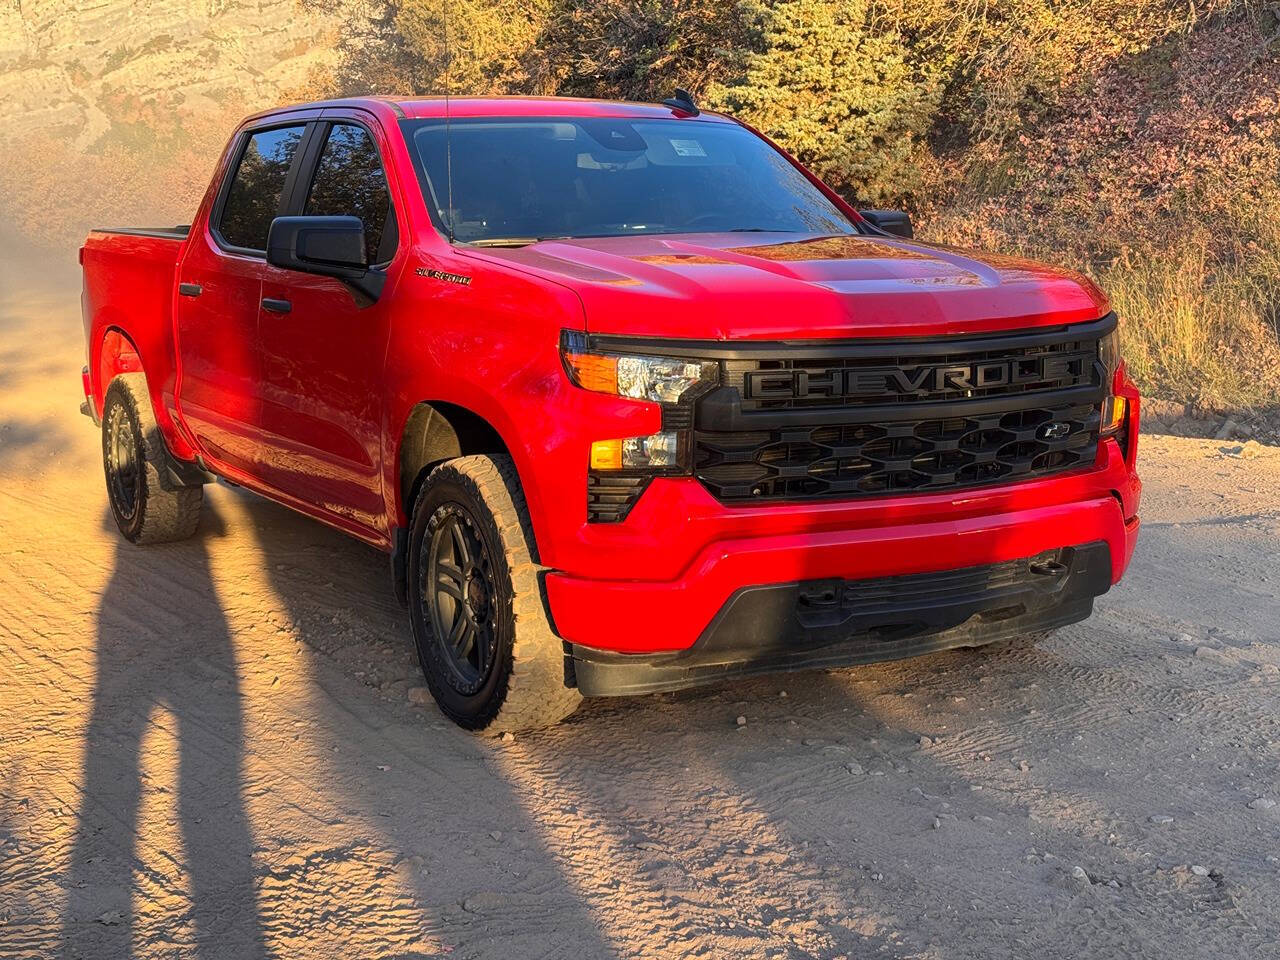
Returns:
(460, 592)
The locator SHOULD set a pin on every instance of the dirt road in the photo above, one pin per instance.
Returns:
(206, 750)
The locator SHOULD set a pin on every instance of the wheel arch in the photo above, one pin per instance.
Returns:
(436, 431)
(116, 354)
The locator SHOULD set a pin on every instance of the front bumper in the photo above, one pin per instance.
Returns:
(831, 623)
(722, 550)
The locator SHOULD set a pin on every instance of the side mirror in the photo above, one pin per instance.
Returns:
(326, 246)
(893, 222)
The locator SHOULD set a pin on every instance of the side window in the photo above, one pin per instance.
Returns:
(253, 200)
(349, 182)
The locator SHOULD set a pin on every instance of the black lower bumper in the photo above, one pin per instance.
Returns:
(832, 623)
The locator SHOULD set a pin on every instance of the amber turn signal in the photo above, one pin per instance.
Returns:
(1114, 411)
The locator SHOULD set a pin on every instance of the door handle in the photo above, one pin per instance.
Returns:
(276, 306)
(190, 289)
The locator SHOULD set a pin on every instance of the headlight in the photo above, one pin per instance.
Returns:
(1114, 409)
(659, 379)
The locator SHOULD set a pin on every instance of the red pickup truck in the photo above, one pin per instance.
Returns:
(632, 400)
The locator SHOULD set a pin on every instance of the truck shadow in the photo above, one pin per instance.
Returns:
(147, 645)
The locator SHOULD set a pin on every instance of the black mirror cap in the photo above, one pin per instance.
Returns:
(896, 223)
(329, 246)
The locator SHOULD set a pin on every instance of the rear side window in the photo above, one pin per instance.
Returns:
(349, 182)
(253, 199)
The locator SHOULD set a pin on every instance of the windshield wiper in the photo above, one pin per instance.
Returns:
(505, 241)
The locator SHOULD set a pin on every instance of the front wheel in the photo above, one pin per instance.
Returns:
(490, 657)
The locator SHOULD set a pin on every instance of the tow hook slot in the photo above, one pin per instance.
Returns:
(1048, 568)
(820, 603)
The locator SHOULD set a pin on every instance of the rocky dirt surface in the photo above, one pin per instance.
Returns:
(215, 749)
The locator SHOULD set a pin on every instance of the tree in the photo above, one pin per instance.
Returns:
(491, 43)
(835, 88)
(641, 49)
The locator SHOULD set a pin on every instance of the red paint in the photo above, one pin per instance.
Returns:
(309, 407)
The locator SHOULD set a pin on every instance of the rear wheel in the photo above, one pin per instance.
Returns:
(148, 503)
(490, 657)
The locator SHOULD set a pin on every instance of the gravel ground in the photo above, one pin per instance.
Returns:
(211, 749)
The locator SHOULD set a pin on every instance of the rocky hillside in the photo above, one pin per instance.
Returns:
(120, 107)
(75, 69)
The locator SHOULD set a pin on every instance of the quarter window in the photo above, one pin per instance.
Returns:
(253, 199)
(349, 182)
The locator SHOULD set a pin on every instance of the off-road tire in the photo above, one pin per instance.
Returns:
(479, 499)
(159, 509)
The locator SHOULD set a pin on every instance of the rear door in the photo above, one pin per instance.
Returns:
(219, 296)
(324, 347)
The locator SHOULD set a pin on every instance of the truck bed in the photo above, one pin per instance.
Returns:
(130, 278)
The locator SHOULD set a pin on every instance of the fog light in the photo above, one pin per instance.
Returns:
(656, 451)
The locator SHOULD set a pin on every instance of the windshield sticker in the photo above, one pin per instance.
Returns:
(688, 148)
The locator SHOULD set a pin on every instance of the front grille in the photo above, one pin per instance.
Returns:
(866, 459)
(879, 419)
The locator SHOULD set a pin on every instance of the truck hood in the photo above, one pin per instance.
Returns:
(779, 286)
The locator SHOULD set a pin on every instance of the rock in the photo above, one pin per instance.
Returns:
(110, 918)
(482, 902)
(1080, 875)
(1161, 819)
(508, 737)
(1186, 638)
(782, 694)
(1211, 654)
(1262, 803)
(418, 696)
(495, 834)
(1024, 766)
(936, 823)
(926, 743)
(1199, 871)
(854, 768)
(1227, 430)
(741, 721)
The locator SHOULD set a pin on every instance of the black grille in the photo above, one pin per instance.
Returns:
(866, 459)
(911, 378)
(610, 496)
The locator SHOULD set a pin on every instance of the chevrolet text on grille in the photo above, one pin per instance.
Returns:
(928, 378)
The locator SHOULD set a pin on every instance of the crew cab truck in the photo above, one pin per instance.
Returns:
(632, 400)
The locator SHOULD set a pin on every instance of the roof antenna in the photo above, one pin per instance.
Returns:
(448, 128)
(683, 102)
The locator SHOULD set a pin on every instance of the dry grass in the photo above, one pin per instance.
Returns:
(1198, 330)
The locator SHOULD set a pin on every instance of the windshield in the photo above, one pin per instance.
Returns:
(520, 180)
